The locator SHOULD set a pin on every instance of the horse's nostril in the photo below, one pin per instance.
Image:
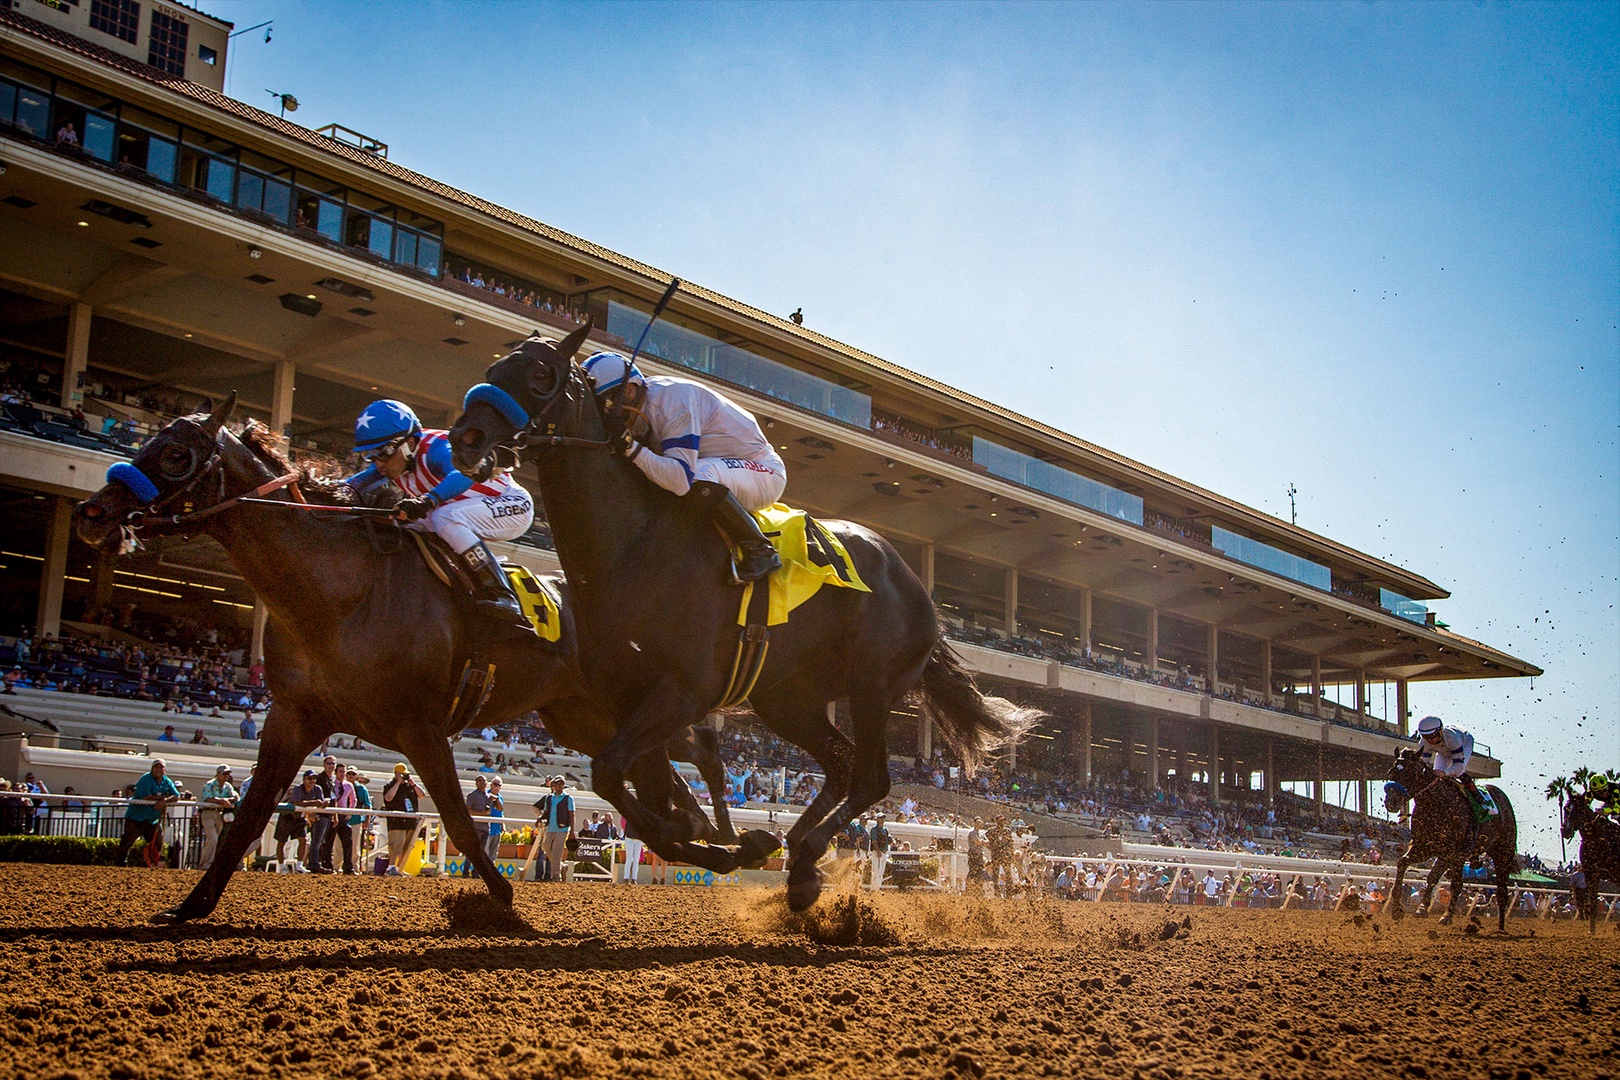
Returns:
(91, 511)
(470, 438)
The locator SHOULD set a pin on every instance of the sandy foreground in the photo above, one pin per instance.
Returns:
(356, 977)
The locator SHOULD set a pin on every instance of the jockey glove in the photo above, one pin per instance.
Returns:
(625, 443)
(415, 509)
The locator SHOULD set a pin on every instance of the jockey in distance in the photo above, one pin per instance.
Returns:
(1448, 750)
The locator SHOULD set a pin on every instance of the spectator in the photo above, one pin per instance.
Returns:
(362, 801)
(168, 735)
(200, 739)
(247, 728)
(339, 829)
(219, 797)
(632, 854)
(497, 810)
(309, 797)
(153, 793)
(477, 806)
(290, 825)
(401, 796)
(879, 842)
(556, 813)
(36, 823)
(320, 825)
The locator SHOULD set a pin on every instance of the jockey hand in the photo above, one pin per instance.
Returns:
(415, 509)
(625, 443)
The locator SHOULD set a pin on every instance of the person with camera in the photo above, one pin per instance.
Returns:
(401, 796)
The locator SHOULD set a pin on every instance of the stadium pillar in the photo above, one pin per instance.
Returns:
(1265, 669)
(261, 614)
(1009, 598)
(1153, 639)
(1271, 774)
(1403, 707)
(1321, 782)
(1316, 676)
(1361, 690)
(1085, 742)
(1153, 750)
(101, 582)
(1361, 797)
(926, 570)
(1214, 764)
(1085, 621)
(281, 398)
(1181, 756)
(925, 738)
(76, 357)
(1213, 651)
(53, 571)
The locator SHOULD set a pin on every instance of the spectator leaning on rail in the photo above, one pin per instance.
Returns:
(1448, 750)
(218, 796)
(689, 439)
(154, 792)
(477, 806)
(463, 512)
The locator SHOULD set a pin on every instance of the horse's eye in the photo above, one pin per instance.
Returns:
(176, 463)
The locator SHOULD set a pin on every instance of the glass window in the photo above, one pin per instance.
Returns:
(428, 252)
(99, 136)
(1266, 557)
(8, 102)
(382, 238)
(33, 111)
(250, 190)
(357, 232)
(278, 199)
(207, 55)
(1067, 485)
(158, 124)
(218, 178)
(319, 213)
(162, 158)
(405, 247)
(167, 43)
(120, 18)
(1408, 609)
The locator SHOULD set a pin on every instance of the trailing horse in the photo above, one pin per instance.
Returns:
(658, 619)
(359, 640)
(1600, 850)
(1443, 829)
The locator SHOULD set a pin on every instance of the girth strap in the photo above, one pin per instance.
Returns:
(753, 643)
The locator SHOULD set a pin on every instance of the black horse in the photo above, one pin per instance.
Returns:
(362, 636)
(1600, 851)
(1442, 824)
(658, 619)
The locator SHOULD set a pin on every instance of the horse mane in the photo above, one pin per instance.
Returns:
(317, 480)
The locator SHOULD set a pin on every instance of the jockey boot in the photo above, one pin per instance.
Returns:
(756, 556)
(493, 597)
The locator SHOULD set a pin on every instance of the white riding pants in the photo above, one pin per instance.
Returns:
(757, 484)
(463, 522)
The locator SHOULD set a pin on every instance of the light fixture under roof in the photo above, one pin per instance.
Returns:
(345, 288)
(121, 214)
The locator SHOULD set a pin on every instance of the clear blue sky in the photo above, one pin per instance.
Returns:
(1369, 249)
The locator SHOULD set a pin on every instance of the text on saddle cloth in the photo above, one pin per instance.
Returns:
(811, 557)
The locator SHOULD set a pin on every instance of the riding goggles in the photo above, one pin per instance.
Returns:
(386, 450)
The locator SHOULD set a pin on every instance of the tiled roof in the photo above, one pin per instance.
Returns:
(657, 279)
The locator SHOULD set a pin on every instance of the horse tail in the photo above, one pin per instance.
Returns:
(973, 723)
(1507, 828)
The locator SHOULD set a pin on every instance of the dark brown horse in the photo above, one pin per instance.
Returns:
(658, 620)
(1443, 829)
(1600, 851)
(359, 640)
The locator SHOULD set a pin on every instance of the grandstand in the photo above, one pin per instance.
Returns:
(183, 245)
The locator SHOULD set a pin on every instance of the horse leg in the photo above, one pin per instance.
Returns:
(658, 785)
(430, 753)
(1456, 873)
(660, 716)
(289, 737)
(1428, 887)
(797, 711)
(1501, 893)
(702, 748)
(1397, 893)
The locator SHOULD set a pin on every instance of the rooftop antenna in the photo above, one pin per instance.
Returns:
(1293, 512)
(288, 102)
(268, 26)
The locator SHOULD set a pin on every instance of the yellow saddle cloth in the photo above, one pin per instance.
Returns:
(811, 557)
(539, 601)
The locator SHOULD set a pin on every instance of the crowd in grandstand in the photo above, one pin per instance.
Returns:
(894, 425)
(520, 292)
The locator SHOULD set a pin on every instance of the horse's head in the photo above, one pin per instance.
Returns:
(539, 382)
(1577, 814)
(178, 465)
(1408, 774)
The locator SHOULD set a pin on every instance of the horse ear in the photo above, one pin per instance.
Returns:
(217, 418)
(569, 346)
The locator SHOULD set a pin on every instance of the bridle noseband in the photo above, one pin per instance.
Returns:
(536, 427)
(150, 514)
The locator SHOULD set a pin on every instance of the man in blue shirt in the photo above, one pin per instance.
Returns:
(153, 793)
(557, 823)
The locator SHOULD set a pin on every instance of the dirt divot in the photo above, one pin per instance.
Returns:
(473, 909)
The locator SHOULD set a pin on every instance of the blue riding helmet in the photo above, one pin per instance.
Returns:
(609, 371)
(383, 422)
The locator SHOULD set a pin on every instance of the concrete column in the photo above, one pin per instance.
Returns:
(1153, 750)
(1316, 675)
(76, 357)
(1085, 741)
(1212, 650)
(281, 398)
(1361, 690)
(1181, 756)
(1271, 774)
(1321, 781)
(927, 569)
(1403, 708)
(53, 571)
(1009, 597)
(1265, 668)
(1012, 756)
(1214, 764)
(1361, 797)
(925, 738)
(1153, 639)
(261, 615)
(1087, 638)
(101, 581)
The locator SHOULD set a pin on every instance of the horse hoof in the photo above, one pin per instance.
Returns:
(802, 893)
(172, 917)
(1397, 913)
(755, 847)
(1445, 920)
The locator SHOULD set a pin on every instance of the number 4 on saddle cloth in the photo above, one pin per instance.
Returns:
(811, 558)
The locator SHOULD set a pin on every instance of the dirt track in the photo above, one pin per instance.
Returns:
(354, 977)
